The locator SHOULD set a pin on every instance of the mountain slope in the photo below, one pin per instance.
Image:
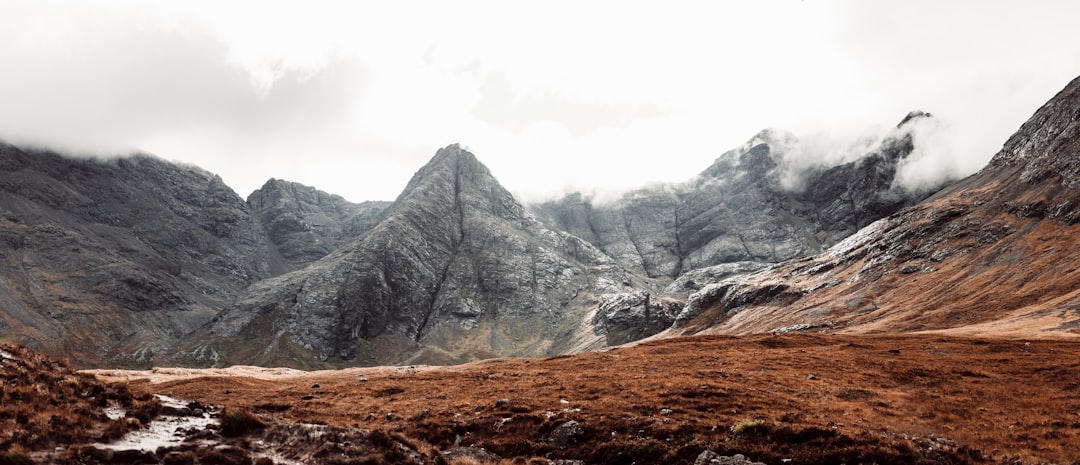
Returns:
(456, 270)
(751, 205)
(113, 261)
(992, 254)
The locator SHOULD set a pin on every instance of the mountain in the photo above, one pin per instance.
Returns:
(993, 254)
(305, 224)
(112, 261)
(455, 270)
(751, 205)
(137, 261)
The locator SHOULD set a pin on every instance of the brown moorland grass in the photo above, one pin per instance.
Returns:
(45, 403)
(801, 398)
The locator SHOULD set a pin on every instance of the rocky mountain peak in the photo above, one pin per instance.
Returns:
(757, 157)
(755, 203)
(305, 224)
(447, 162)
(279, 191)
(778, 140)
(454, 174)
(914, 115)
(455, 263)
(1048, 144)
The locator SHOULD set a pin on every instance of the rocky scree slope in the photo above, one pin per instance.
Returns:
(112, 261)
(749, 206)
(992, 254)
(456, 270)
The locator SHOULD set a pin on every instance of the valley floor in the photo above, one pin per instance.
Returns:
(796, 398)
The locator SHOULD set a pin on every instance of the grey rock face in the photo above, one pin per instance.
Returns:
(116, 260)
(733, 294)
(630, 316)
(693, 280)
(456, 262)
(1053, 129)
(741, 209)
(306, 224)
(566, 434)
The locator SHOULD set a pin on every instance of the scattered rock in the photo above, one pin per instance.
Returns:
(176, 411)
(134, 456)
(811, 377)
(566, 434)
(307, 397)
(801, 327)
(477, 454)
(502, 403)
(711, 458)
(422, 415)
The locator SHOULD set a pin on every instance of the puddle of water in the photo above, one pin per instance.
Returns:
(114, 411)
(170, 431)
(311, 432)
(165, 431)
(268, 453)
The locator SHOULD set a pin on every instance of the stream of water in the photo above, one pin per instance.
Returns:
(165, 431)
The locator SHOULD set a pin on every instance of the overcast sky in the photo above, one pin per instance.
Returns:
(353, 97)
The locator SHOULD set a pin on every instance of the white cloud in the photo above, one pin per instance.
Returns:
(353, 97)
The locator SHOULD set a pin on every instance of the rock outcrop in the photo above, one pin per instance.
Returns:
(629, 316)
